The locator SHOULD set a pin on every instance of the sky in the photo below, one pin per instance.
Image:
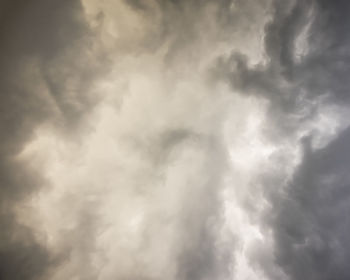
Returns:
(174, 139)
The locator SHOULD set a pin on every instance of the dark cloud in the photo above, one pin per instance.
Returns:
(20, 254)
(35, 76)
(48, 65)
(322, 70)
(311, 222)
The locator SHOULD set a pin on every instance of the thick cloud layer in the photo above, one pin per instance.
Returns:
(174, 139)
(41, 81)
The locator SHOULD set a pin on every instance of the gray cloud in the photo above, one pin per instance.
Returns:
(38, 85)
(310, 223)
(322, 69)
(309, 220)
(121, 151)
(310, 226)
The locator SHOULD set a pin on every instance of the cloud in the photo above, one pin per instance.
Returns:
(40, 77)
(308, 228)
(309, 225)
(174, 139)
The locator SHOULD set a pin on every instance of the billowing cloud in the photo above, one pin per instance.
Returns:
(174, 139)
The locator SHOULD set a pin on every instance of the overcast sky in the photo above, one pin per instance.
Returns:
(174, 140)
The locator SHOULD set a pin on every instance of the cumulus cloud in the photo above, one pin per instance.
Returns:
(174, 139)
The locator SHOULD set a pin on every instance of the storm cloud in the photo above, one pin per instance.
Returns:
(174, 139)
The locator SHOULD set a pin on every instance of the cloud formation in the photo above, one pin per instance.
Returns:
(174, 139)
